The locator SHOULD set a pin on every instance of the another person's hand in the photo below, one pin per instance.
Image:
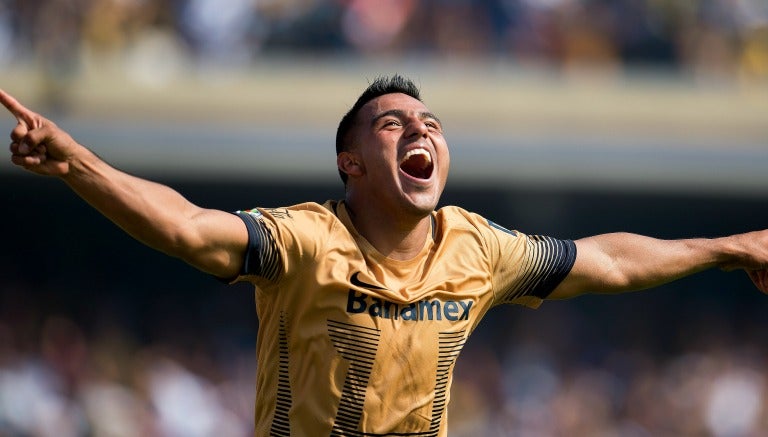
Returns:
(37, 144)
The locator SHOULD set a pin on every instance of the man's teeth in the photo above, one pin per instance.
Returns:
(415, 152)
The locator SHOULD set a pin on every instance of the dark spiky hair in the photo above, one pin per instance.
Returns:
(380, 86)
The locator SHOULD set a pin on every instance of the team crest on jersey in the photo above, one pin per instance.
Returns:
(280, 213)
(255, 213)
(501, 228)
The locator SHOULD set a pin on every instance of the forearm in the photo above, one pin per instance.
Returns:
(213, 241)
(619, 262)
(629, 262)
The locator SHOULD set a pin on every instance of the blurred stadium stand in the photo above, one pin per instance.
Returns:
(506, 125)
(565, 118)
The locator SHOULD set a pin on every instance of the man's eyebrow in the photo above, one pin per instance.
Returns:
(427, 114)
(401, 114)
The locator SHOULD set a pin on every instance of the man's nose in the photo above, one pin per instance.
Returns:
(417, 127)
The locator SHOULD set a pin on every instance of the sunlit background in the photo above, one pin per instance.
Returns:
(564, 117)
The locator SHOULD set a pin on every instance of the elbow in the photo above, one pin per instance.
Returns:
(182, 243)
(615, 279)
(209, 259)
(619, 282)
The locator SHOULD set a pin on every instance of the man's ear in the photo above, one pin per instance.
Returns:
(349, 164)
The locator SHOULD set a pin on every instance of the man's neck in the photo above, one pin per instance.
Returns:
(397, 237)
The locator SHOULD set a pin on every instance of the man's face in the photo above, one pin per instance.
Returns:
(403, 155)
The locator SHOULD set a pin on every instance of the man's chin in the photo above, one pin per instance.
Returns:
(422, 203)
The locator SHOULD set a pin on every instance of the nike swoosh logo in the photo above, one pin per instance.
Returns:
(356, 281)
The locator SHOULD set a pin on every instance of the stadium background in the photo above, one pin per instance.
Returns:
(564, 117)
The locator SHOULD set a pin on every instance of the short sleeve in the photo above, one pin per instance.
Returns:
(262, 257)
(529, 267)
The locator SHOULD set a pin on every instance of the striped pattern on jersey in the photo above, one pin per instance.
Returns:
(358, 345)
(281, 424)
(331, 361)
(551, 263)
(451, 344)
(262, 257)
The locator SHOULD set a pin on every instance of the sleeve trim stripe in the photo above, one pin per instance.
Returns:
(553, 261)
(262, 257)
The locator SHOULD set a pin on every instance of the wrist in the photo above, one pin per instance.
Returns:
(80, 162)
(728, 252)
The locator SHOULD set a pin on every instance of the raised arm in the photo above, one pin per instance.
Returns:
(213, 241)
(613, 263)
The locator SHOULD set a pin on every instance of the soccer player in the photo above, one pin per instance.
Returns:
(365, 303)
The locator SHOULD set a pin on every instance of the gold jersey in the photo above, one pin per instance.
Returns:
(351, 342)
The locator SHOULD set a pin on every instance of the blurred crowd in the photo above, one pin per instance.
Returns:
(62, 375)
(714, 36)
(65, 375)
(631, 393)
(72, 367)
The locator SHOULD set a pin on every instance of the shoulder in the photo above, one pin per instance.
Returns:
(457, 224)
(304, 222)
(302, 212)
(454, 217)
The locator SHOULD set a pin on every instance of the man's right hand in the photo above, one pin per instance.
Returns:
(37, 144)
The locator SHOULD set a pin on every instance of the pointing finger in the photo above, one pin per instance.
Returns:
(22, 114)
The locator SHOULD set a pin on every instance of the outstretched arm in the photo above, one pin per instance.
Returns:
(213, 241)
(613, 263)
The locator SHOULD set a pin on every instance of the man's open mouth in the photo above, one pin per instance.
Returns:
(417, 163)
